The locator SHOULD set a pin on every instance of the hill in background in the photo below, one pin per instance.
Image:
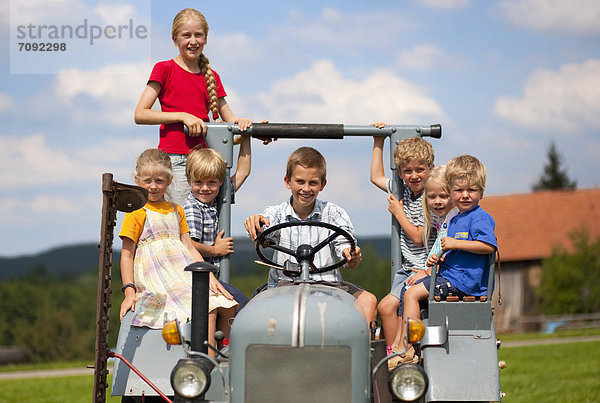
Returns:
(71, 259)
(83, 258)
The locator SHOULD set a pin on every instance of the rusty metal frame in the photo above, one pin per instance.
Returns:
(115, 197)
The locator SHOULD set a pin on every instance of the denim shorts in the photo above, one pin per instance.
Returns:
(398, 283)
(442, 289)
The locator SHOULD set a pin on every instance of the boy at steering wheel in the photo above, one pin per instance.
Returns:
(306, 177)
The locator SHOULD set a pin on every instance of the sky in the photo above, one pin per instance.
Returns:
(504, 79)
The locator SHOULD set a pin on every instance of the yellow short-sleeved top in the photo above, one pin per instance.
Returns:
(133, 223)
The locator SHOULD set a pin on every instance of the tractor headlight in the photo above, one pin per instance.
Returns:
(190, 378)
(408, 382)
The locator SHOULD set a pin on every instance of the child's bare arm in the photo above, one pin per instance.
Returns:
(244, 163)
(145, 115)
(127, 257)
(186, 239)
(377, 174)
(477, 247)
(221, 246)
(205, 250)
(396, 207)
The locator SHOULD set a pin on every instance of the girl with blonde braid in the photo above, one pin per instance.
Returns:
(187, 89)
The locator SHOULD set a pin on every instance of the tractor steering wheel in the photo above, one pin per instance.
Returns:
(303, 252)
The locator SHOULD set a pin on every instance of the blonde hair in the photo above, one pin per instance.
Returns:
(466, 167)
(437, 175)
(307, 157)
(413, 148)
(203, 63)
(205, 163)
(156, 158)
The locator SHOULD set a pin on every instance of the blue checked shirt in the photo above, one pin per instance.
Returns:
(293, 237)
(203, 220)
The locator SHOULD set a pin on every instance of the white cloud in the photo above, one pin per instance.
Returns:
(322, 94)
(56, 205)
(43, 165)
(4, 15)
(578, 17)
(565, 101)
(103, 98)
(115, 14)
(53, 218)
(117, 82)
(106, 96)
(427, 56)
(11, 207)
(59, 12)
(6, 102)
(30, 210)
(47, 12)
(333, 29)
(444, 4)
(304, 37)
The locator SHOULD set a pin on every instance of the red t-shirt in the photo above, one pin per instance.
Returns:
(181, 91)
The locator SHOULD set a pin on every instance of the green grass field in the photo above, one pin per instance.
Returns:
(49, 390)
(556, 373)
(551, 373)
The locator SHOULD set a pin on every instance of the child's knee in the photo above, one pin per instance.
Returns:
(416, 292)
(368, 299)
(388, 305)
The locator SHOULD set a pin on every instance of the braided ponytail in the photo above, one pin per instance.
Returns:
(211, 86)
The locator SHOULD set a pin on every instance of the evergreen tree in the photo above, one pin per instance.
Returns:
(554, 177)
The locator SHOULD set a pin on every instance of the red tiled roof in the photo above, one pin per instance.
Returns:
(529, 225)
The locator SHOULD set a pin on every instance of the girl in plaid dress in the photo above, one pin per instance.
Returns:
(156, 249)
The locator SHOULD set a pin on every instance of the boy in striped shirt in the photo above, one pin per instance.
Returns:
(413, 158)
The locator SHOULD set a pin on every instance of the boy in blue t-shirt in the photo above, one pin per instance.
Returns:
(470, 241)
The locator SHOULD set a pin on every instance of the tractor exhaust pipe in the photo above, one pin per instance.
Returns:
(200, 277)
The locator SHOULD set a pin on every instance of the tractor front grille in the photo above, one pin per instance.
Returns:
(298, 374)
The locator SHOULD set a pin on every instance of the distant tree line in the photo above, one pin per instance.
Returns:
(54, 316)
